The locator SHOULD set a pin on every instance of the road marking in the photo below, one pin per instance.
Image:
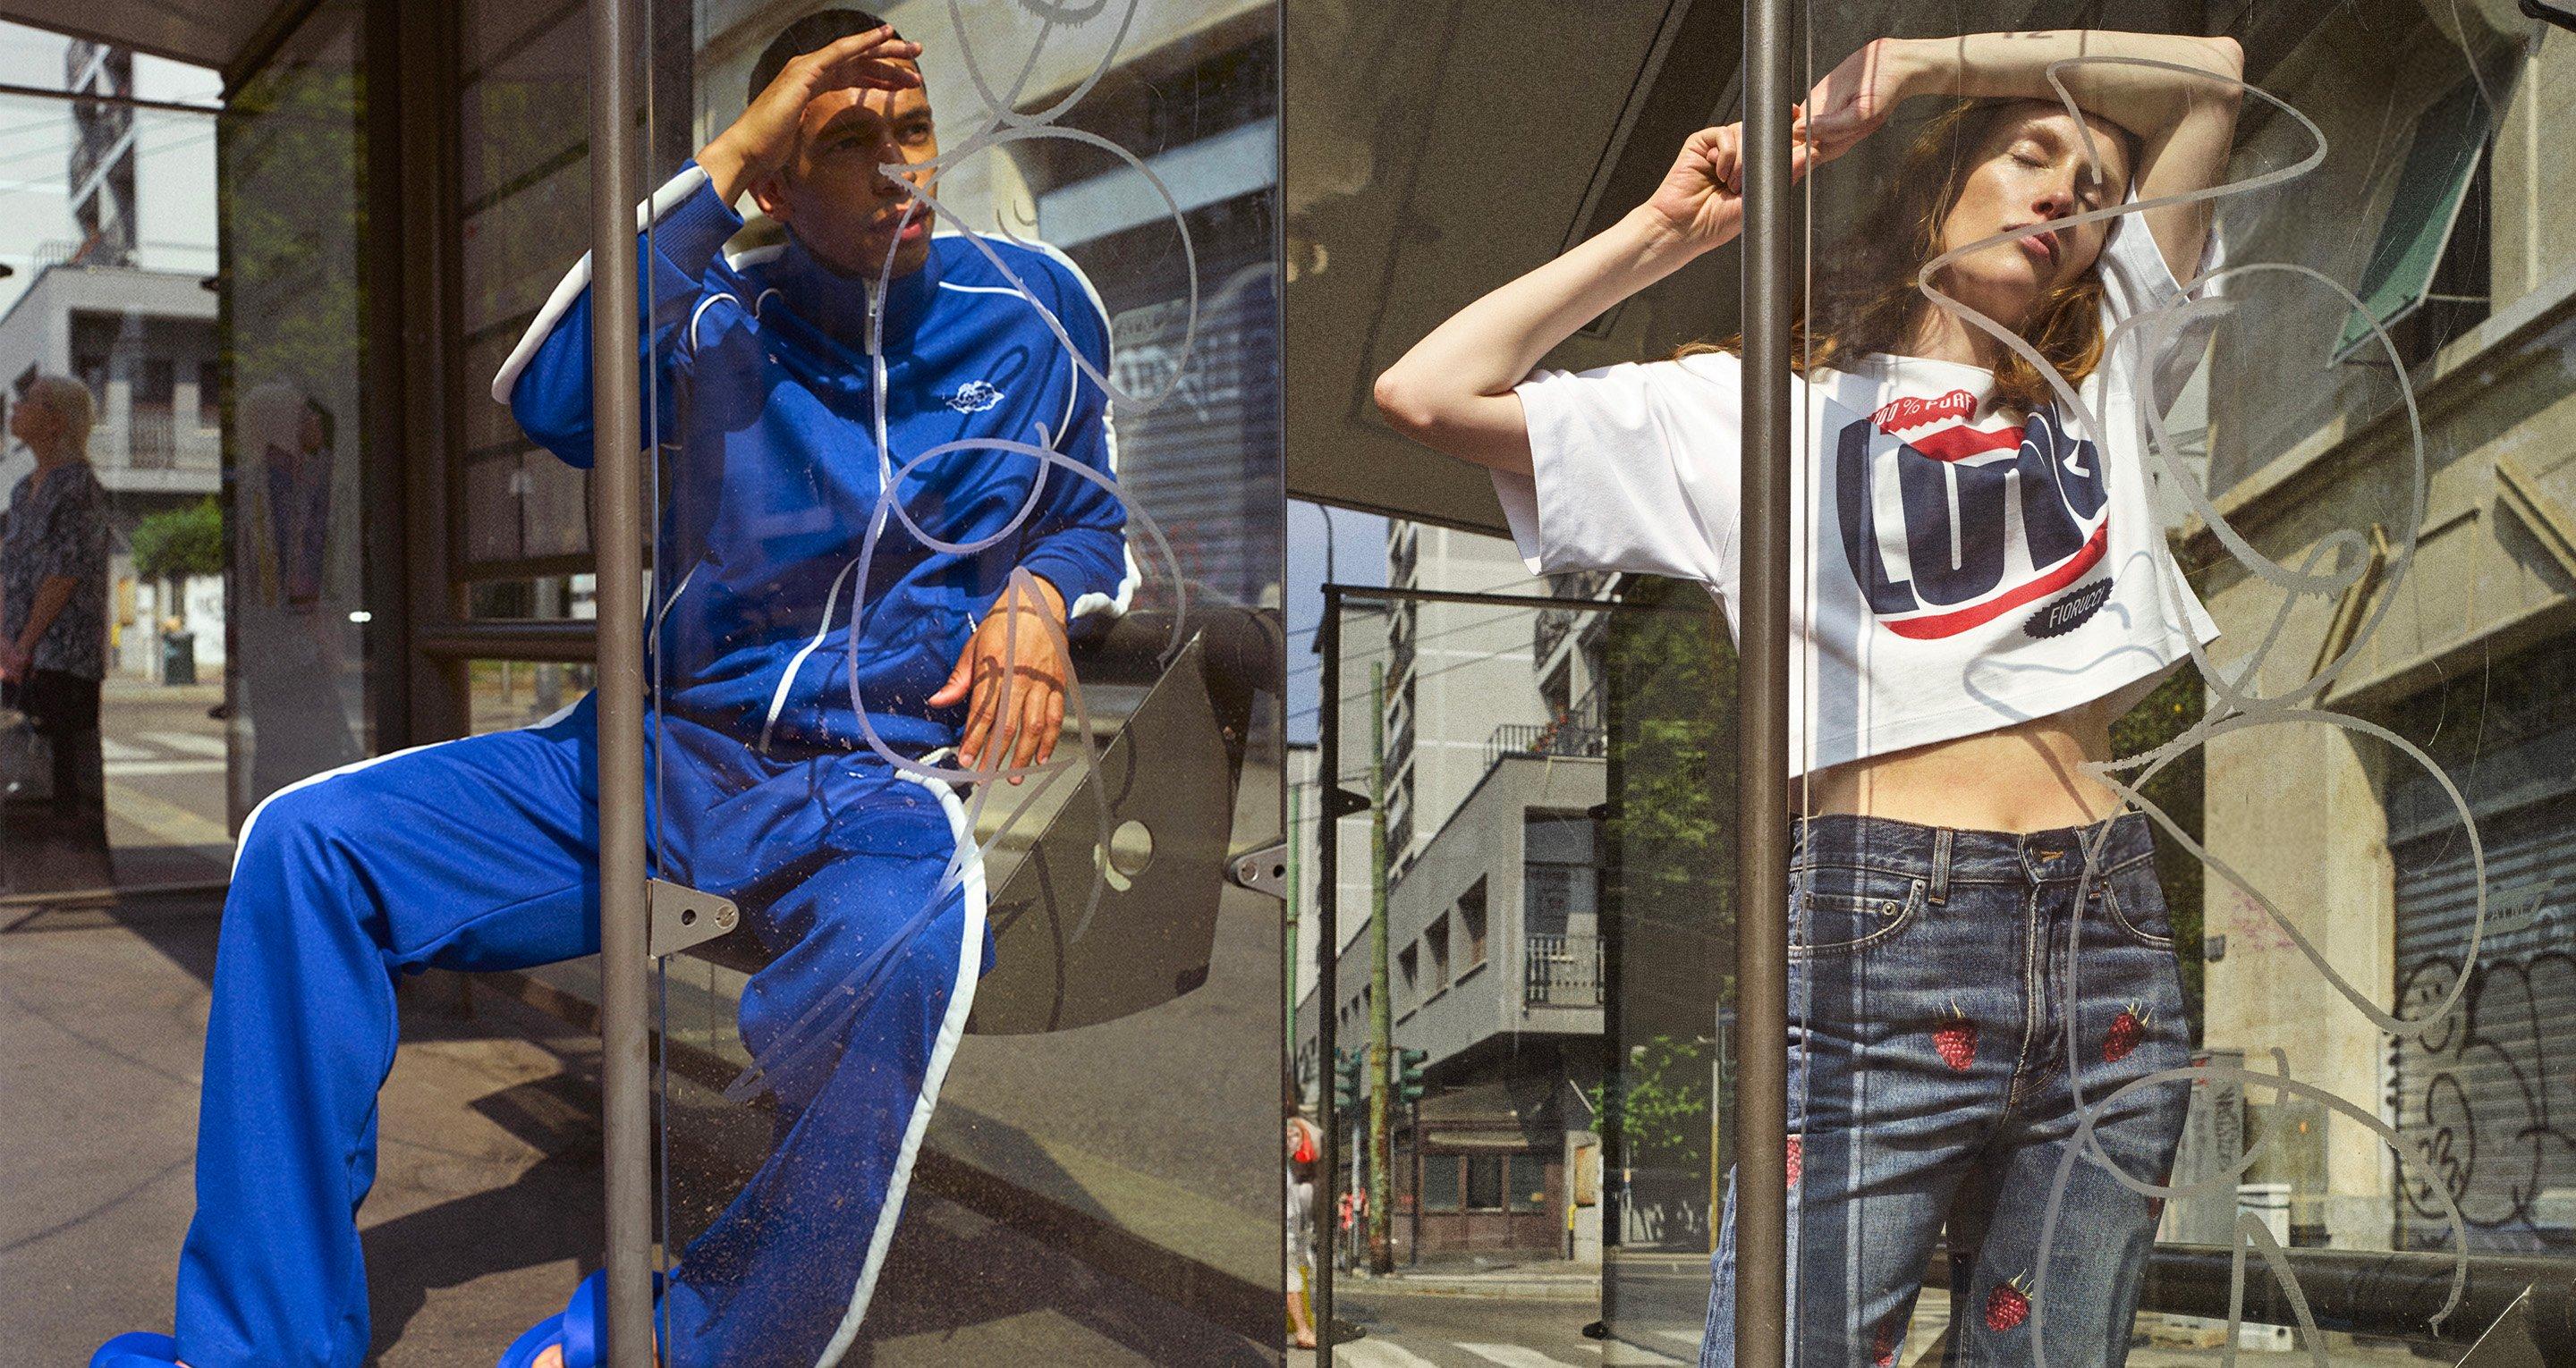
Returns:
(1514, 1356)
(187, 743)
(140, 768)
(1377, 1353)
(114, 750)
(1677, 1339)
(169, 821)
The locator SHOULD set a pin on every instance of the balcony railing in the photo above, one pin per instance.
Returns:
(155, 439)
(1548, 738)
(1561, 971)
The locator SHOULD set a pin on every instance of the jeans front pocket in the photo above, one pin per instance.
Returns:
(1838, 909)
(2136, 901)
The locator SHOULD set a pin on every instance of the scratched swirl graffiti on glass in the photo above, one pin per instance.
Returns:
(896, 536)
(2329, 570)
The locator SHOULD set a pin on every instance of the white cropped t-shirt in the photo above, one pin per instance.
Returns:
(1953, 569)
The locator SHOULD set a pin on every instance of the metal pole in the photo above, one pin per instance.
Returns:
(1762, 886)
(1413, 1256)
(1328, 941)
(1381, 1233)
(1288, 986)
(617, 543)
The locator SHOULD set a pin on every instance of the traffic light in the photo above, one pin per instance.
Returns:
(1408, 1074)
(1350, 1081)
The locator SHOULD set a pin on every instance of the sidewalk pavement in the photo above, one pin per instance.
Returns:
(486, 1209)
(487, 1192)
(1555, 1281)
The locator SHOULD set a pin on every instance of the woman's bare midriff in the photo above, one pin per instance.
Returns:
(2027, 777)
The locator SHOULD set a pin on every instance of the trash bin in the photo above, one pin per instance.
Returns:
(178, 657)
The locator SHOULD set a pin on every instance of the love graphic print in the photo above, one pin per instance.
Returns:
(1992, 519)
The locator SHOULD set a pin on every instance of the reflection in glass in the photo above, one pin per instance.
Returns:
(292, 156)
(111, 233)
(965, 533)
(288, 584)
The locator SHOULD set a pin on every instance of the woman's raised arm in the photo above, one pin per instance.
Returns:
(2184, 121)
(1453, 391)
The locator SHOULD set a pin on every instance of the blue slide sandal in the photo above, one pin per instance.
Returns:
(140, 1349)
(575, 1328)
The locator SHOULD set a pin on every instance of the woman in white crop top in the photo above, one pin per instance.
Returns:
(1979, 587)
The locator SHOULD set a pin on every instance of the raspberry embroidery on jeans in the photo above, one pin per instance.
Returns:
(2126, 1029)
(2007, 1306)
(1956, 1039)
(1797, 1159)
(1882, 1344)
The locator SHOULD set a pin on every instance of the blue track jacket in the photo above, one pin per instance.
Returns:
(763, 386)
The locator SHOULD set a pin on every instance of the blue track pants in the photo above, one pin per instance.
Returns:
(482, 854)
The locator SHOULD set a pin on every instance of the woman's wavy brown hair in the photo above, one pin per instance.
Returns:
(1864, 303)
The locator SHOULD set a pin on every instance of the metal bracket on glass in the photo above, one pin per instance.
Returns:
(683, 917)
(1263, 871)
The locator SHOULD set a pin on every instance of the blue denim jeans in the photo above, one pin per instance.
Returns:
(1960, 1002)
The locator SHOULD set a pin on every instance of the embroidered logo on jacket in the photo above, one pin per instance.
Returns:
(1983, 521)
(974, 396)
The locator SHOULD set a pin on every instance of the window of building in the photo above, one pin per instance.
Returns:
(1437, 941)
(1408, 963)
(1440, 1182)
(1471, 925)
(1527, 1189)
(2427, 277)
(1485, 1181)
(1559, 875)
(156, 382)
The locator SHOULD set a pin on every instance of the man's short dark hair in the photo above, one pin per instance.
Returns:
(812, 33)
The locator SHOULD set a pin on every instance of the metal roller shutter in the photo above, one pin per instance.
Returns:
(2490, 1095)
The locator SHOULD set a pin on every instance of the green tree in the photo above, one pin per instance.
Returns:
(1655, 1112)
(2176, 790)
(179, 542)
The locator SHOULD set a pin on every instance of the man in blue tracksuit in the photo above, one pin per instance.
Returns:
(792, 386)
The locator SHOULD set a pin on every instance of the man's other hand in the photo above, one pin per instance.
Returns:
(1020, 640)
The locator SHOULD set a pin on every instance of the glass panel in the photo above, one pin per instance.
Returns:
(1507, 743)
(2162, 604)
(523, 184)
(994, 1018)
(547, 598)
(304, 502)
(509, 694)
(196, 487)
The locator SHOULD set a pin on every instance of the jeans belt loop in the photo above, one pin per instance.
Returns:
(1940, 866)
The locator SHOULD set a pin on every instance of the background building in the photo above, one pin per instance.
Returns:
(116, 295)
(2463, 246)
(1493, 766)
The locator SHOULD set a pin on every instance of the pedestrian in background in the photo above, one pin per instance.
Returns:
(53, 589)
(1305, 1159)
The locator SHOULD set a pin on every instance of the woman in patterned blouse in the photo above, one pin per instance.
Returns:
(53, 582)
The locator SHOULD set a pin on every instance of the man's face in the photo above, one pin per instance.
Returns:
(833, 194)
